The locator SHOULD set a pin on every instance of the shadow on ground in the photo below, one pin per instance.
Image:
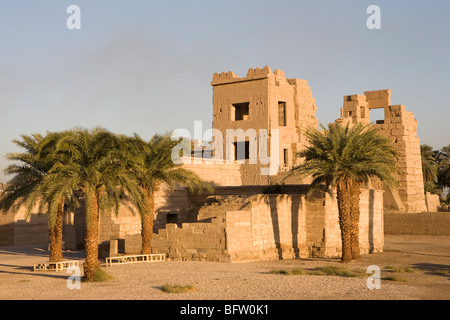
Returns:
(7, 252)
(433, 269)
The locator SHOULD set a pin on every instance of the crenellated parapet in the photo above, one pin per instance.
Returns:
(252, 74)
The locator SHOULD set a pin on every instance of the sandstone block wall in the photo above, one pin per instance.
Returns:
(197, 241)
(239, 226)
(400, 127)
(127, 223)
(355, 109)
(271, 227)
(316, 224)
(7, 226)
(264, 91)
(371, 231)
(378, 99)
(133, 244)
(433, 202)
(31, 232)
(112, 227)
(15, 230)
(274, 228)
(217, 174)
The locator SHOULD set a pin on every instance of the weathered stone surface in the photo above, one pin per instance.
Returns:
(273, 227)
(400, 126)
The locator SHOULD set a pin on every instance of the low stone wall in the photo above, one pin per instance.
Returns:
(197, 241)
(16, 231)
(274, 227)
(432, 202)
(270, 227)
(114, 227)
(6, 229)
(425, 223)
(235, 224)
(371, 232)
(217, 174)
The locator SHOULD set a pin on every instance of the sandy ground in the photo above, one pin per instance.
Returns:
(242, 281)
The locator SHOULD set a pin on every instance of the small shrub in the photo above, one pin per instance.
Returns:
(401, 269)
(440, 272)
(444, 272)
(101, 275)
(397, 279)
(279, 272)
(177, 288)
(295, 272)
(340, 271)
(323, 271)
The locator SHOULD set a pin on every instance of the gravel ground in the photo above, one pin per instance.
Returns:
(240, 281)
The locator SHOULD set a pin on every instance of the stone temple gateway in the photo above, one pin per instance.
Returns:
(248, 218)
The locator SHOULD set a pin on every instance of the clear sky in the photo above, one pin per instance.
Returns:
(146, 66)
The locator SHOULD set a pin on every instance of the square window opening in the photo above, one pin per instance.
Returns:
(242, 150)
(172, 218)
(285, 157)
(241, 111)
(282, 114)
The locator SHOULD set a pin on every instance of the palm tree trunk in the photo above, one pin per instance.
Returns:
(91, 264)
(55, 235)
(147, 225)
(355, 213)
(345, 221)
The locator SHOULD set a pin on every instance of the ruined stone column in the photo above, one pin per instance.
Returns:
(401, 127)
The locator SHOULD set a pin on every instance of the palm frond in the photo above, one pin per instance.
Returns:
(338, 153)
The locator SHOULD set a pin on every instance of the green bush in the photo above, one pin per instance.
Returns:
(101, 275)
(177, 288)
(341, 271)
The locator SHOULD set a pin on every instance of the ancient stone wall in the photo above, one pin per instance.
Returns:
(400, 127)
(270, 101)
(270, 227)
(126, 225)
(273, 228)
(432, 201)
(16, 230)
(371, 231)
(7, 225)
(217, 174)
(198, 241)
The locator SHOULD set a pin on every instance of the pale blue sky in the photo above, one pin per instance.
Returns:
(146, 66)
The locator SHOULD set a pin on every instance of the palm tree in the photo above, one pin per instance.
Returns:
(22, 191)
(158, 169)
(429, 169)
(345, 158)
(443, 160)
(93, 163)
(429, 166)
